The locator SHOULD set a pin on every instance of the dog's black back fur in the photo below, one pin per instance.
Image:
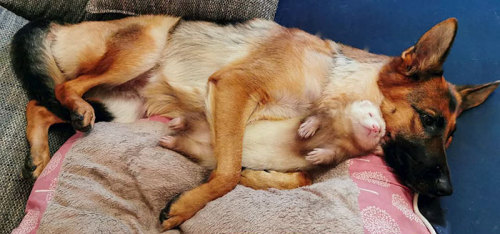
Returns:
(29, 63)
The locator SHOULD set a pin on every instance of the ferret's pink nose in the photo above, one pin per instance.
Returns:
(375, 128)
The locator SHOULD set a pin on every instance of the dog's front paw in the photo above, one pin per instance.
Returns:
(165, 214)
(179, 209)
(309, 127)
(82, 116)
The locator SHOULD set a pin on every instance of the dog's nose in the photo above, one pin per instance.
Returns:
(443, 186)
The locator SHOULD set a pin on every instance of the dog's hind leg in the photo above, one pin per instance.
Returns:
(129, 53)
(39, 120)
(70, 93)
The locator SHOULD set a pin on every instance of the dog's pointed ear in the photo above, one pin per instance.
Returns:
(429, 53)
(474, 95)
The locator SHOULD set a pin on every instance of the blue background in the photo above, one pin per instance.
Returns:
(389, 27)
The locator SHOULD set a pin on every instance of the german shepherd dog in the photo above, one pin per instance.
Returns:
(236, 74)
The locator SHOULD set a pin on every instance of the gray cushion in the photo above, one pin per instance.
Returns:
(225, 10)
(63, 10)
(78, 10)
(14, 190)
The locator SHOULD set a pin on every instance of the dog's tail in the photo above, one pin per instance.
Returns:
(38, 71)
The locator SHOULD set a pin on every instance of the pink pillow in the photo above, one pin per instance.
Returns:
(43, 189)
(386, 206)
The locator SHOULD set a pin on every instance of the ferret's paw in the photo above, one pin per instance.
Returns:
(308, 128)
(177, 124)
(320, 156)
(168, 142)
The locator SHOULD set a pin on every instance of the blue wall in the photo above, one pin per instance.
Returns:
(389, 27)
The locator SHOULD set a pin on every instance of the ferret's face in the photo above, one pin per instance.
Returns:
(367, 122)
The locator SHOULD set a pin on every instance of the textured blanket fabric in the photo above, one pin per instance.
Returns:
(330, 205)
(116, 179)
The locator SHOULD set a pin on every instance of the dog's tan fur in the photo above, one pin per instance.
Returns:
(237, 75)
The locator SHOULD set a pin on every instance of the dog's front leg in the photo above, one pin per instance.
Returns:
(231, 101)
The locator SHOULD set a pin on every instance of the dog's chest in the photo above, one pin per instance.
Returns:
(354, 80)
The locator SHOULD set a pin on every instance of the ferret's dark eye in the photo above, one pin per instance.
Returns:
(370, 114)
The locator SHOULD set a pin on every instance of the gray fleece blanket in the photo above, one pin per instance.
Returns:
(116, 179)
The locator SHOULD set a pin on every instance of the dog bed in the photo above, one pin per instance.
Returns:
(116, 179)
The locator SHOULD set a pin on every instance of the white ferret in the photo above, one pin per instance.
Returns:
(289, 145)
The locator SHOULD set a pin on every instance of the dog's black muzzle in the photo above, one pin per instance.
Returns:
(420, 164)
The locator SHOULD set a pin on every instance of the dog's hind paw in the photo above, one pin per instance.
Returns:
(28, 169)
(83, 117)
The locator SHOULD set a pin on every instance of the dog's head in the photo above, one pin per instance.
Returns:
(420, 110)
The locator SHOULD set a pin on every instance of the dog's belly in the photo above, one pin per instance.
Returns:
(198, 49)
